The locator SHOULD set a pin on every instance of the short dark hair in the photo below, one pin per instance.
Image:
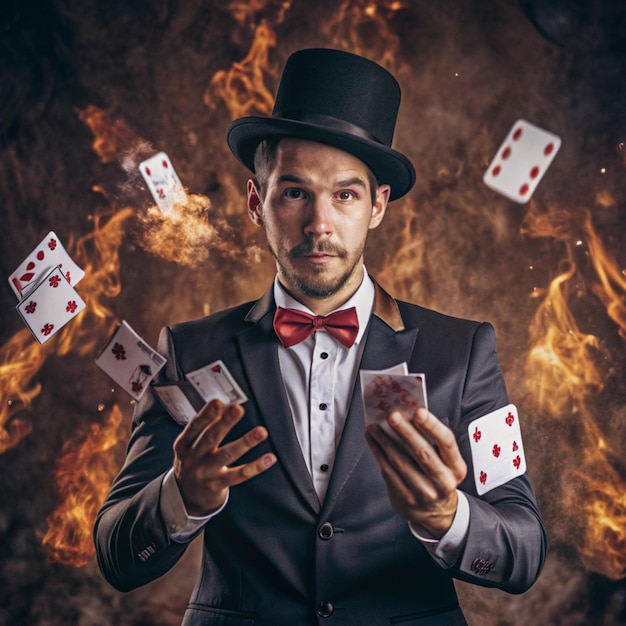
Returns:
(265, 161)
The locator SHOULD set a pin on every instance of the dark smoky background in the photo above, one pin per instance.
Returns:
(88, 89)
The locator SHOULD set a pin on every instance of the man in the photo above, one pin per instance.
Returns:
(303, 524)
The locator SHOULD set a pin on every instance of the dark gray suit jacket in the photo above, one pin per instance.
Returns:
(275, 556)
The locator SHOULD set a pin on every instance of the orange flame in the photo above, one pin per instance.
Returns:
(352, 25)
(22, 356)
(83, 476)
(110, 138)
(561, 362)
(562, 370)
(242, 88)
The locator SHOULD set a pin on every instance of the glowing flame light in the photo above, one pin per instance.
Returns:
(22, 356)
(109, 137)
(563, 373)
(352, 25)
(83, 476)
(242, 88)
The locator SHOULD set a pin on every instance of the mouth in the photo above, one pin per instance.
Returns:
(317, 257)
(316, 253)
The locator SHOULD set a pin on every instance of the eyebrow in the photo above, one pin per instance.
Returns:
(348, 182)
(290, 178)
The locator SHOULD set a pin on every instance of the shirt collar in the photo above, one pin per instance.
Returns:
(362, 299)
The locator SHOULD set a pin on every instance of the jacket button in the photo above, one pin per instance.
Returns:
(325, 609)
(325, 531)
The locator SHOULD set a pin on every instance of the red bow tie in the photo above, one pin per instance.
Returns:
(293, 326)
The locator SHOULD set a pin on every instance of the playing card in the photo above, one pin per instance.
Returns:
(497, 449)
(129, 361)
(391, 389)
(214, 381)
(50, 305)
(163, 182)
(48, 254)
(521, 161)
(180, 398)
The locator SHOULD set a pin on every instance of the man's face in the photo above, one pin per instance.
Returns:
(316, 214)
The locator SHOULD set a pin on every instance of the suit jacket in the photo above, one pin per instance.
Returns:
(275, 555)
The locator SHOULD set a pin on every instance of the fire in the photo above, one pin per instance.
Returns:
(605, 533)
(611, 289)
(561, 362)
(110, 137)
(242, 88)
(563, 372)
(22, 356)
(20, 360)
(353, 23)
(83, 476)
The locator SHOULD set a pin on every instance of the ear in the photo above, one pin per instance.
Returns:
(380, 205)
(255, 204)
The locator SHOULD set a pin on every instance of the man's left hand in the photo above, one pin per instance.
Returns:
(422, 471)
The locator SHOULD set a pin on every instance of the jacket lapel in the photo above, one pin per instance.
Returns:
(259, 354)
(388, 343)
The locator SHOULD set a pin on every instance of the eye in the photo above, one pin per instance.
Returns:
(346, 195)
(294, 194)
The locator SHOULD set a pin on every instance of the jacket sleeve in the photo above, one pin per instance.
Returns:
(506, 542)
(133, 545)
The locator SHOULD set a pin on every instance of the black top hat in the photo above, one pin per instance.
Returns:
(339, 99)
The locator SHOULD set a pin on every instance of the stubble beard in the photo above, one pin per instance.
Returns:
(315, 285)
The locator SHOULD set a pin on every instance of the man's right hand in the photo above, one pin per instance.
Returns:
(202, 467)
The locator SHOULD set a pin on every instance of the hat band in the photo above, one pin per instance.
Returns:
(331, 123)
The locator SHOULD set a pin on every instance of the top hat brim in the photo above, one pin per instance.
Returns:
(389, 166)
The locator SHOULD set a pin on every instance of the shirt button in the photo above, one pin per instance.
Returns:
(325, 609)
(324, 355)
(324, 467)
(323, 406)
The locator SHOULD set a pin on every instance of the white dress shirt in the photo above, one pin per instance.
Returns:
(319, 375)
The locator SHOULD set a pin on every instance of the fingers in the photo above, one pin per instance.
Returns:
(231, 452)
(230, 476)
(401, 471)
(444, 441)
(426, 458)
(397, 468)
(203, 466)
(208, 427)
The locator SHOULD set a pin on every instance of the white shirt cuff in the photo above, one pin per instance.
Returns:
(448, 549)
(181, 526)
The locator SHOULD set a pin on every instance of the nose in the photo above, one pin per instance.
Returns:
(319, 218)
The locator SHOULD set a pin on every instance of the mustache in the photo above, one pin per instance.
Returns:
(323, 246)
